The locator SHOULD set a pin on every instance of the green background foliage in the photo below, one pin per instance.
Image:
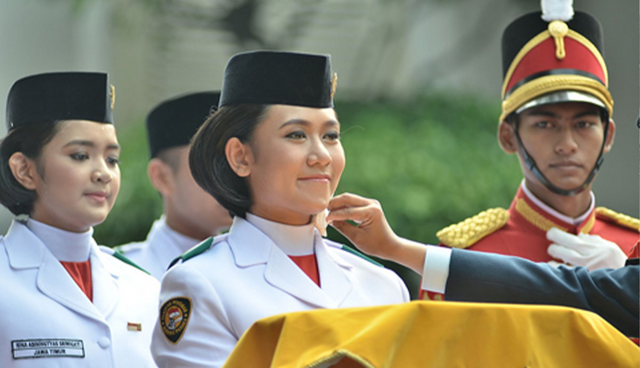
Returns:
(431, 162)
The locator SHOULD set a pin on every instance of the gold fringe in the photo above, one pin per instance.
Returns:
(619, 218)
(468, 232)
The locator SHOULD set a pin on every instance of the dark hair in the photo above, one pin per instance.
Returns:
(207, 159)
(28, 139)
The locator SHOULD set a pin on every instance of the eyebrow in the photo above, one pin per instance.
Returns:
(307, 122)
(80, 142)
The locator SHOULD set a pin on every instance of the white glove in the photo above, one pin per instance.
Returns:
(586, 250)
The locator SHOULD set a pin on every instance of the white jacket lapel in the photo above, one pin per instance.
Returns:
(55, 282)
(104, 275)
(252, 247)
(333, 272)
(25, 251)
(283, 273)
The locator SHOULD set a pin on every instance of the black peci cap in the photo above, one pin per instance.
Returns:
(270, 77)
(44, 98)
(173, 122)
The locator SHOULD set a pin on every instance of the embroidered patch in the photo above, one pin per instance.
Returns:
(47, 348)
(174, 316)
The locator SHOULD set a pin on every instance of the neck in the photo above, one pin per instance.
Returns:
(64, 245)
(187, 228)
(291, 239)
(571, 206)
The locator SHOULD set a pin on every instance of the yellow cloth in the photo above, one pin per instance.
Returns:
(435, 334)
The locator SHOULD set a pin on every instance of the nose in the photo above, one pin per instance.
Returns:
(566, 143)
(101, 175)
(319, 154)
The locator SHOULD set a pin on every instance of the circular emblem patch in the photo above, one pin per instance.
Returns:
(174, 316)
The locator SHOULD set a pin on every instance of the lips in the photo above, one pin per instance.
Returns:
(318, 178)
(565, 165)
(98, 196)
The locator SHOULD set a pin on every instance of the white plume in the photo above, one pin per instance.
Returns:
(557, 10)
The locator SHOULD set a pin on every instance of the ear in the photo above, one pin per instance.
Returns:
(507, 137)
(239, 156)
(24, 170)
(161, 176)
(611, 134)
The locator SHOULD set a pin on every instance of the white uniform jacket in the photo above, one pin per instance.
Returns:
(155, 253)
(211, 299)
(47, 321)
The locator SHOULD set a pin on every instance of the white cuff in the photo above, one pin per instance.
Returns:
(436, 269)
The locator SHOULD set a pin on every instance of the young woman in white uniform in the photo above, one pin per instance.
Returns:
(272, 156)
(66, 302)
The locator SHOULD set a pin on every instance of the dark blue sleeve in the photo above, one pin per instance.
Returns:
(486, 277)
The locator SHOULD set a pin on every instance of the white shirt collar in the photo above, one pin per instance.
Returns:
(183, 242)
(292, 240)
(66, 246)
(574, 221)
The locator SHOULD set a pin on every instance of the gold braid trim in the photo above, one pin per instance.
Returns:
(112, 95)
(553, 83)
(468, 232)
(544, 35)
(589, 225)
(535, 218)
(618, 218)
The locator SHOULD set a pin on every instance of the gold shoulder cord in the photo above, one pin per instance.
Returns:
(468, 232)
(619, 218)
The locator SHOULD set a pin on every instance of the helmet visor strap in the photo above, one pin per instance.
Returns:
(531, 165)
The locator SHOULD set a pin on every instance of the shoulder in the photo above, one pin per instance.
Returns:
(350, 253)
(199, 249)
(468, 232)
(617, 218)
(131, 248)
(114, 257)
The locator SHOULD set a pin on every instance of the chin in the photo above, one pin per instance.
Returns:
(568, 185)
(95, 219)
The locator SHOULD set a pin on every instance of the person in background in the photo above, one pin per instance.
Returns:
(190, 215)
(556, 117)
(272, 156)
(66, 301)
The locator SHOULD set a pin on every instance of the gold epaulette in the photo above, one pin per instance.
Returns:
(468, 232)
(618, 218)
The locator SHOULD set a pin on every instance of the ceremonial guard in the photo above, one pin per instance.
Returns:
(272, 156)
(556, 116)
(190, 215)
(66, 301)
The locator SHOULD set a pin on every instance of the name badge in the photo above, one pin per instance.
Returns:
(47, 348)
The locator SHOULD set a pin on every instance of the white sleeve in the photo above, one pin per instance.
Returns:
(205, 336)
(436, 269)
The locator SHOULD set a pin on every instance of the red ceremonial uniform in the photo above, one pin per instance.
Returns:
(524, 233)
